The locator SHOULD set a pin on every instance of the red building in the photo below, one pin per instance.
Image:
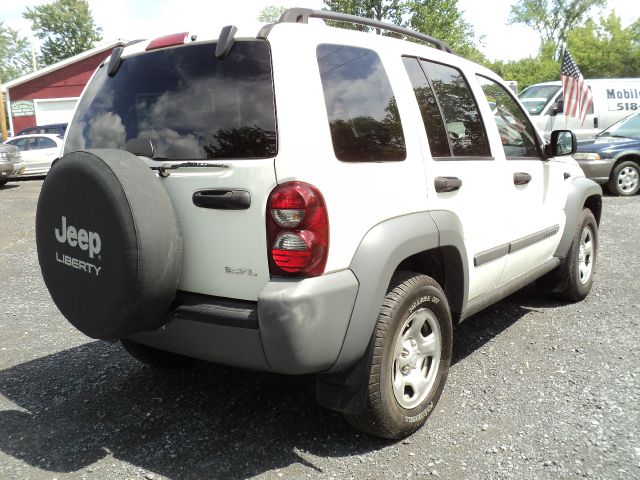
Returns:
(50, 95)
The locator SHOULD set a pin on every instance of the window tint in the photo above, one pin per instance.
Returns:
(462, 119)
(431, 117)
(189, 103)
(21, 143)
(516, 132)
(44, 142)
(536, 97)
(363, 116)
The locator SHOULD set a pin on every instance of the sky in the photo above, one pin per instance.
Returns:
(134, 19)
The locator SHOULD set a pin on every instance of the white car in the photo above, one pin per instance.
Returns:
(311, 200)
(38, 152)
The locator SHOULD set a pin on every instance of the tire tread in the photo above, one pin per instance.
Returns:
(372, 419)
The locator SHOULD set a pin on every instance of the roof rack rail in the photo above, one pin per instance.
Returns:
(302, 15)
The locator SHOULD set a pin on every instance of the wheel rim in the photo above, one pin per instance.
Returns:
(416, 358)
(628, 179)
(585, 256)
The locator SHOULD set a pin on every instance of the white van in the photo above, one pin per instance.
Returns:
(613, 99)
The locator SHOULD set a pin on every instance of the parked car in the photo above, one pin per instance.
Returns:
(613, 156)
(10, 163)
(312, 200)
(37, 152)
(613, 99)
(52, 128)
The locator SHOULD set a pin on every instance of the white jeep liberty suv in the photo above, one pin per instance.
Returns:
(311, 200)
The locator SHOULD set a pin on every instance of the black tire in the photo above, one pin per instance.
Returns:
(579, 265)
(108, 242)
(625, 179)
(410, 298)
(153, 357)
(3, 182)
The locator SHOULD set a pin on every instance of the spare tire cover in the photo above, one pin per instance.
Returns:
(109, 244)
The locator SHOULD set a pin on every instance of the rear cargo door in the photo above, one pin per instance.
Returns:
(211, 121)
(221, 214)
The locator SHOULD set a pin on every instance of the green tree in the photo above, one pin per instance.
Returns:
(553, 19)
(440, 19)
(15, 54)
(606, 49)
(527, 71)
(443, 20)
(66, 26)
(381, 10)
(270, 13)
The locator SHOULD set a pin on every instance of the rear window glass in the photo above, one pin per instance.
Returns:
(429, 109)
(46, 143)
(363, 116)
(191, 105)
(461, 115)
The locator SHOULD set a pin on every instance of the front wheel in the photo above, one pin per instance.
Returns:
(3, 182)
(625, 179)
(579, 266)
(411, 358)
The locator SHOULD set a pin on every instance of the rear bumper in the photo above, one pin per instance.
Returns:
(295, 327)
(11, 169)
(597, 170)
(6, 169)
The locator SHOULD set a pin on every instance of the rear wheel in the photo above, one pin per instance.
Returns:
(154, 357)
(625, 179)
(411, 358)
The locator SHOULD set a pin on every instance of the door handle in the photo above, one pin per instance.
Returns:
(595, 122)
(222, 199)
(447, 184)
(521, 178)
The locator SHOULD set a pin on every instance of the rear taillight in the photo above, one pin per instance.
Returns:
(297, 230)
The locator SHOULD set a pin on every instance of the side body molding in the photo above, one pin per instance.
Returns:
(380, 252)
(580, 190)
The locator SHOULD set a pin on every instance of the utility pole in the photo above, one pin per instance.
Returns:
(3, 121)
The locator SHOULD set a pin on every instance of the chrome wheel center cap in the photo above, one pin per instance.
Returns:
(409, 356)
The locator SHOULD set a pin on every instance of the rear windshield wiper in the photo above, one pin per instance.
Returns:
(144, 147)
(163, 167)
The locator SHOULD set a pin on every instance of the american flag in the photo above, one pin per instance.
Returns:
(576, 95)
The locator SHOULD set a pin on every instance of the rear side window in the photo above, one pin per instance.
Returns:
(44, 142)
(190, 104)
(363, 116)
(455, 105)
(433, 123)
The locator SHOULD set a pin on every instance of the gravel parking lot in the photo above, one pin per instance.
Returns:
(538, 389)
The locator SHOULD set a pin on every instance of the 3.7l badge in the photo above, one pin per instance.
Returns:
(240, 271)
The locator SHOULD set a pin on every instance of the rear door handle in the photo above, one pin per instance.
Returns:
(222, 199)
(447, 184)
(521, 178)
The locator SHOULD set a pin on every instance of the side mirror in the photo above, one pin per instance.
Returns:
(558, 107)
(563, 142)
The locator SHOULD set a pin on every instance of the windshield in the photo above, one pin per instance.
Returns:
(191, 105)
(536, 97)
(627, 127)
